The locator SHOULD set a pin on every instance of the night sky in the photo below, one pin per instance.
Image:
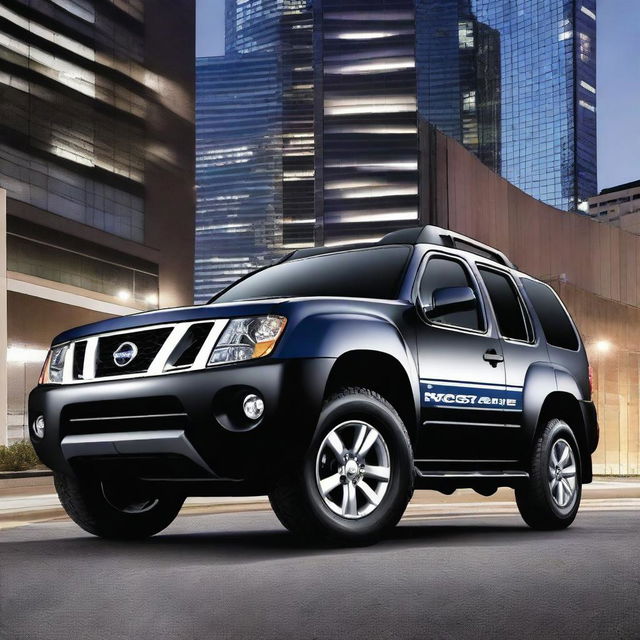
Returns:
(618, 66)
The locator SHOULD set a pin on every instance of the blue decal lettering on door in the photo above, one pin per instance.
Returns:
(440, 393)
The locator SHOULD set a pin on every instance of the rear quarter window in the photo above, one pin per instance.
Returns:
(556, 324)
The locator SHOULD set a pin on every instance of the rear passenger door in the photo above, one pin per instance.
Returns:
(461, 372)
(519, 347)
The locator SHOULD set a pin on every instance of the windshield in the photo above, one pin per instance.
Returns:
(360, 273)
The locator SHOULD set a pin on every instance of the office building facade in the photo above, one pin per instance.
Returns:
(255, 143)
(514, 82)
(96, 158)
(618, 206)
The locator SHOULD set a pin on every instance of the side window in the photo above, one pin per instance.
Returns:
(443, 272)
(506, 304)
(555, 322)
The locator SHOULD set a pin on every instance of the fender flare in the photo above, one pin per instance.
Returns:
(330, 335)
(543, 382)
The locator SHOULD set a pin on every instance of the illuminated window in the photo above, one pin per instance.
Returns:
(587, 86)
(586, 105)
(465, 35)
(588, 12)
(469, 100)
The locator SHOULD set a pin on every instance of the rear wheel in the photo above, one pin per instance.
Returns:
(357, 476)
(551, 497)
(116, 509)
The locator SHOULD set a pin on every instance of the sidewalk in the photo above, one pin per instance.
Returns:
(35, 501)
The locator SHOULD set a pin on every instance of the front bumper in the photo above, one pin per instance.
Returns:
(185, 417)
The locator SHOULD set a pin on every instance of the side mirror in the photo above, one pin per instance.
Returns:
(450, 300)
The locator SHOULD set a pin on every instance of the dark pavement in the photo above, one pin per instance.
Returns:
(242, 576)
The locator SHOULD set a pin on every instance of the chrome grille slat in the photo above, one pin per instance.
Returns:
(136, 417)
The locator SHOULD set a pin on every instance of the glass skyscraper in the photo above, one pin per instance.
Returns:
(332, 128)
(254, 143)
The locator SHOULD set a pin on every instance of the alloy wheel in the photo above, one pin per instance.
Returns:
(353, 469)
(562, 473)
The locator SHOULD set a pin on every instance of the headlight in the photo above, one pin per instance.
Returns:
(247, 338)
(54, 365)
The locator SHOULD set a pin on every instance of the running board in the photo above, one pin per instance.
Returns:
(485, 481)
(472, 474)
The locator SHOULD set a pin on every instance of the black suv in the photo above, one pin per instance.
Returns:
(336, 382)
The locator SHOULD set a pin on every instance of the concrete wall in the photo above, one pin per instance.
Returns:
(594, 267)
(3, 317)
(615, 328)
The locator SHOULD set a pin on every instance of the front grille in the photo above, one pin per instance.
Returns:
(166, 348)
(119, 416)
(147, 343)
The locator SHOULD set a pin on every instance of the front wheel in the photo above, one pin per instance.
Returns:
(357, 476)
(551, 497)
(115, 509)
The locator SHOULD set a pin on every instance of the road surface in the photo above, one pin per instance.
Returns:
(240, 575)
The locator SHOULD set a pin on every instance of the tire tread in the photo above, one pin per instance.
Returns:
(531, 499)
(287, 497)
(85, 504)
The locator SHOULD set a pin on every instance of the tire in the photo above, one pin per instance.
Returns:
(118, 512)
(551, 497)
(304, 501)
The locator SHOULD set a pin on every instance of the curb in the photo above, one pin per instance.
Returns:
(198, 507)
(33, 473)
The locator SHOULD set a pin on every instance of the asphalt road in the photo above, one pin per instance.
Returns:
(242, 576)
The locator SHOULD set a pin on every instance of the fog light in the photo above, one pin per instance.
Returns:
(38, 426)
(253, 406)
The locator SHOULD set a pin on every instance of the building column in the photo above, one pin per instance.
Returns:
(3, 318)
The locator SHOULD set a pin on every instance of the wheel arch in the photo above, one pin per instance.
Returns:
(565, 406)
(382, 373)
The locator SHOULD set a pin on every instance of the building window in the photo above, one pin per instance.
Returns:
(54, 263)
(584, 47)
(588, 12)
(469, 100)
(587, 86)
(465, 35)
(586, 105)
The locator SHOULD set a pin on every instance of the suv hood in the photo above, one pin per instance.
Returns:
(169, 316)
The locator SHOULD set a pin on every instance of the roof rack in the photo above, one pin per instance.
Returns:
(445, 238)
(415, 235)
(316, 251)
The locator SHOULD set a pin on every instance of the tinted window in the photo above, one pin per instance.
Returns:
(363, 273)
(554, 319)
(440, 273)
(506, 304)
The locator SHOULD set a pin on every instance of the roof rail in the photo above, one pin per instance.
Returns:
(431, 234)
(317, 251)
(414, 235)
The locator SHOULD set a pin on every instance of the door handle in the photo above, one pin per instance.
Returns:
(492, 357)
